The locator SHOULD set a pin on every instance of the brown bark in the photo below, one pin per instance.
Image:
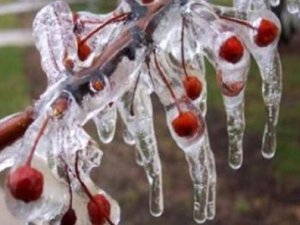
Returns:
(14, 128)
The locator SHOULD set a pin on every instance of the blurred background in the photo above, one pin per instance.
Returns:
(262, 192)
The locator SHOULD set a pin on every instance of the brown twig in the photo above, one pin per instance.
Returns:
(14, 128)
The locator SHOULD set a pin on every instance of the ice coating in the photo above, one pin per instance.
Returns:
(270, 68)
(9, 154)
(269, 63)
(52, 31)
(53, 198)
(200, 157)
(97, 65)
(231, 78)
(193, 146)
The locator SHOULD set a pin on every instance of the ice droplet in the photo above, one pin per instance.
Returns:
(274, 3)
(293, 6)
(105, 122)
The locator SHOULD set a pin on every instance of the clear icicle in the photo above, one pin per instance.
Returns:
(235, 129)
(271, 72)
(147, 149)
(199, 71)
(193, 147)
(124, 109)
(105, 122)
(212, 176)
(212, 180)
(231, 77)
(232, 82)
(136, 112)
(197, 160)
(269, 64)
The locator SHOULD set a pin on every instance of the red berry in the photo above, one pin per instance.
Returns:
(232, 50)
(267, 32)
(83, 50)
(230, 89)
(26, 184)
(69, 218)
(98, 209)
(193, 87)
(186, 124)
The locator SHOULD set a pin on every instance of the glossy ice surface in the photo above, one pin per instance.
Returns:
(103, 65)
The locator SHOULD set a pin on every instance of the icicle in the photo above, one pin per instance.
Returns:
(212, 180)
(105, 122)
(147, 149)
(232, 74)
(190, 140)
(124, 109)
(269, 64)
(136, 111)
(265, 53)
(197, 159)
(198, 65)
(271, 72)
(235, 128)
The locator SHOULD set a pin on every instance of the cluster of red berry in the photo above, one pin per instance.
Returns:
(232, 50)
(26, 183)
